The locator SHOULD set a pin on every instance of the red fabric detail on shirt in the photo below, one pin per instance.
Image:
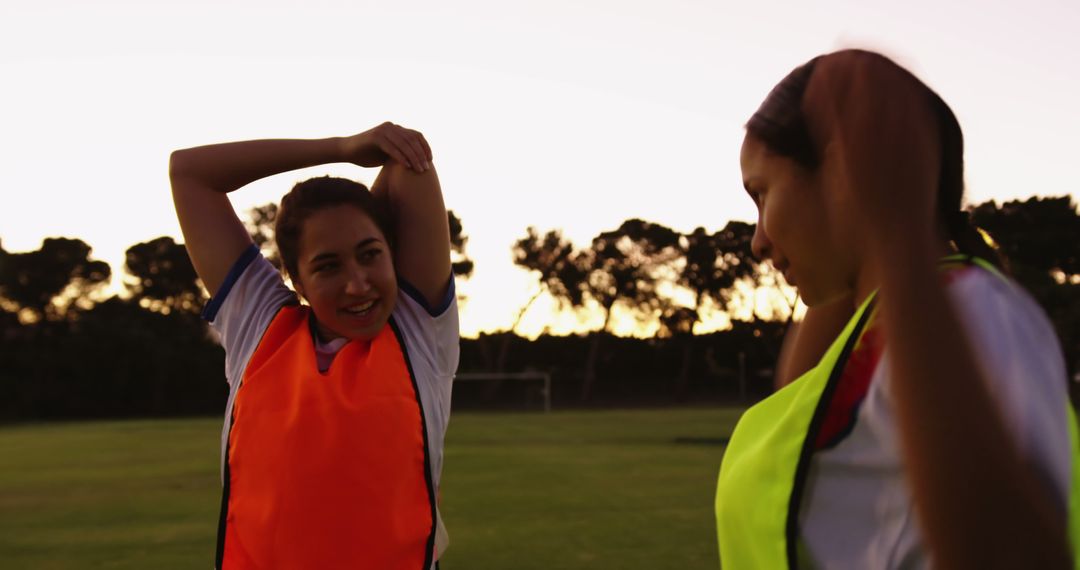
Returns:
(951, 275)
(854, 382)
(851, 388)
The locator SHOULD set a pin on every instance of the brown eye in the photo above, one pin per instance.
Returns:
(325, 267)
(369, 255)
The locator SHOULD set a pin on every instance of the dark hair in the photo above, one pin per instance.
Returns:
(317, 194)
(781, 125)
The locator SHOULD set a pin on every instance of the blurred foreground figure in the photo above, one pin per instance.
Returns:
(934, 430)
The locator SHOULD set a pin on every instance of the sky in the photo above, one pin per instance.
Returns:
(563, 114)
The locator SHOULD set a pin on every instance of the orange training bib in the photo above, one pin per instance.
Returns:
(327, 470)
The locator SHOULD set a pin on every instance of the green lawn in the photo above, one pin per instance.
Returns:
(607, 489)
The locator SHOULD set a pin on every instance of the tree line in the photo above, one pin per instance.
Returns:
(68, 351)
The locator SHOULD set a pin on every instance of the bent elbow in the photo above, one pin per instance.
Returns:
(178, 164)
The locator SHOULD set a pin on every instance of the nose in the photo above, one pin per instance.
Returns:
(357, 283)
(760, 245)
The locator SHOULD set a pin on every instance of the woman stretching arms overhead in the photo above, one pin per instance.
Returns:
(332, 445)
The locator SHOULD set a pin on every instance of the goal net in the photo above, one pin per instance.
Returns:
(503, 391)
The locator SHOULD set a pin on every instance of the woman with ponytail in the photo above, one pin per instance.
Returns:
(337, 406)
(932, 427)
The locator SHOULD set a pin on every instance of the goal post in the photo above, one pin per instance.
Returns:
(543, 377)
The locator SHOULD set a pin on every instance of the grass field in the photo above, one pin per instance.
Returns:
(602, 489)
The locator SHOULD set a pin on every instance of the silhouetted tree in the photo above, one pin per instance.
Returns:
(4, 268)
(555, 261)
(163, 278)
(558, 267)
(715, 263)
(260, 226)
(711, 267)
(1040, 238)
(626, 266)
(462, 265)
(61, 270)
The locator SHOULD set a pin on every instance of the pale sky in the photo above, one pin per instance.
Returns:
(558, 114)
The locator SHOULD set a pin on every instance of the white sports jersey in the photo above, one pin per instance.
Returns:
(857, 511)
(253, 292)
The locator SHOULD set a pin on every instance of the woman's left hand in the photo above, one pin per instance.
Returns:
(881, 153)
(388, 141)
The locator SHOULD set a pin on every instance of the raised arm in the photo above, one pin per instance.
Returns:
(202, 176)
(979, 502)
(422, 230)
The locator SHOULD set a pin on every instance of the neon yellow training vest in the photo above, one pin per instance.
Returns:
(765, 465)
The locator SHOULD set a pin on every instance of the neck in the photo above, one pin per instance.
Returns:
(322, 334)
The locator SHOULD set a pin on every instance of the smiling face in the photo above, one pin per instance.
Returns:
(345, 271)
(794, 229)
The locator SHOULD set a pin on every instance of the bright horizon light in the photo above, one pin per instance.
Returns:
(571, 115)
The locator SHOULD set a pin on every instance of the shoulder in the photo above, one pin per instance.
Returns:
(431, 343)
(1013, 341)
(431, 334)
(1021, 360)
(411, 300)
(994, 308)
(244, 306)
(415, 316)
(251, 279)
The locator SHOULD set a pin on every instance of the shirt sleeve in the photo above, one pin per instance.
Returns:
(433, 343)
(1020, 357)
(242, 309)
(435, 329)
(858, 510)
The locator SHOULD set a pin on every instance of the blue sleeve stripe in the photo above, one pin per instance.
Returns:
(211, 310)
(415, 295)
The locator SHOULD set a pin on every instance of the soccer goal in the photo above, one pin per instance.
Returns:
(502, 390)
